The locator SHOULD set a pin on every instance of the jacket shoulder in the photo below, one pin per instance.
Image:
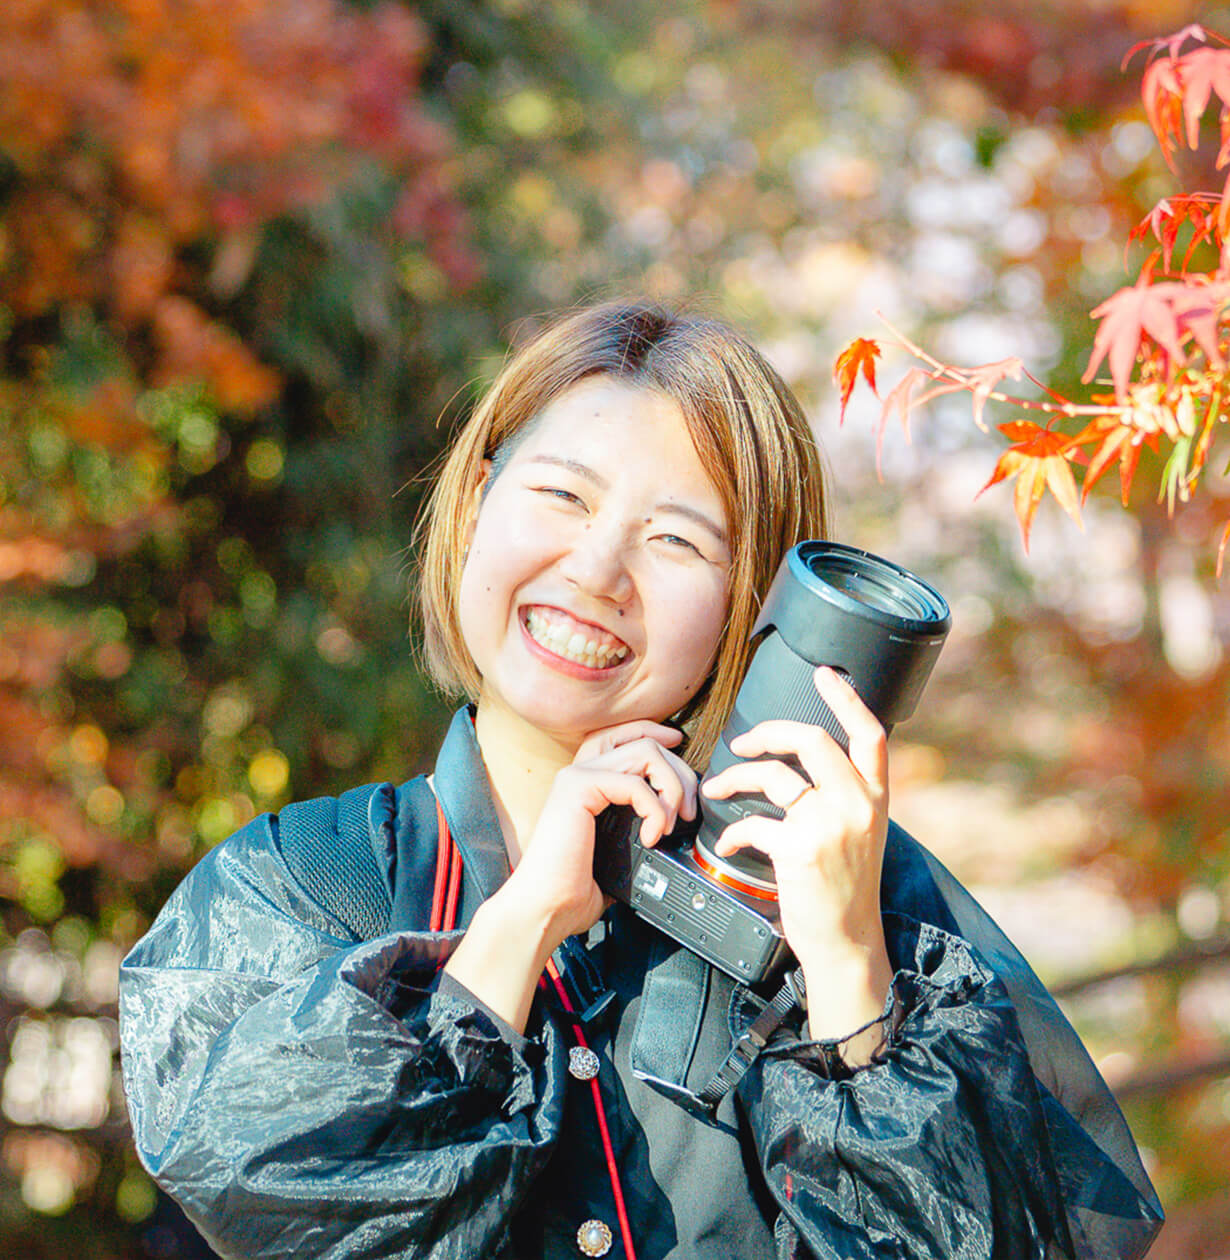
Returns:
(330, 846)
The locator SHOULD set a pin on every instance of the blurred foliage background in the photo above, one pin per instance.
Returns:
(255, 261)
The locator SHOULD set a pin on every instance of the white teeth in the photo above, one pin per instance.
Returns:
(571, 644)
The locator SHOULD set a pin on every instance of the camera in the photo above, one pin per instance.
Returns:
(878, 626)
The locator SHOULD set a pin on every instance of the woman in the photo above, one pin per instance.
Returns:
(310, 1071)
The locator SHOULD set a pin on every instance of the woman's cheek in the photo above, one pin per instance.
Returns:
(697, 620)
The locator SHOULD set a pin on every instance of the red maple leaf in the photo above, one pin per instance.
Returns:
(859, 356)
(1171, 43)
(1039, 460)
(903, 399)
(1203, 73)
(1176, 91)
(1167, 219)
(1199, 309)
(981, 382)
(1128, 317)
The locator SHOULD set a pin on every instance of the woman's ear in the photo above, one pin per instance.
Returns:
(476, 500)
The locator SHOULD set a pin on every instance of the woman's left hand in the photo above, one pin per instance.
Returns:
(827, 852)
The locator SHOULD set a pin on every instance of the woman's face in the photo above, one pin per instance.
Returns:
(595, 589)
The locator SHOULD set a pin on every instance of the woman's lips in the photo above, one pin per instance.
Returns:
(577, 642)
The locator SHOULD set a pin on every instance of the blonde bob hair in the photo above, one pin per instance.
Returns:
(749, 432)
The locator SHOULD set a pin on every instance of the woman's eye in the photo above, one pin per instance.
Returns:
(675, 541)
(557, 492)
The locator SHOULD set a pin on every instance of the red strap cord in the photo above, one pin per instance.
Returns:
(454, 890)
(444, 896)
(444, 847)
(608, 1149)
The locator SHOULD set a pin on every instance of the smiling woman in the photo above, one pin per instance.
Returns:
(755, 483)
(314, 1067)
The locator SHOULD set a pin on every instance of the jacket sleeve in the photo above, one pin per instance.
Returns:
(947, 1144)
(302, 1092)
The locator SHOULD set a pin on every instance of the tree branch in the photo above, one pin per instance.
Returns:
(1193, 954)
(1172, 1075)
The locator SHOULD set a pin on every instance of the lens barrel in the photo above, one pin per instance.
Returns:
(871, 620)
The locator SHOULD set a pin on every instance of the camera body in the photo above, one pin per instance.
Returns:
(738, 932)
(876, 624)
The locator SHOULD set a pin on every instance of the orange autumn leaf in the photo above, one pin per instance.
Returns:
(1114, 440)
(1039, 460)
(859, 356)
(1167, 220)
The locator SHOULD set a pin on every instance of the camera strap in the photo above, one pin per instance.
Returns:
(743, 1053)
(657, 1063)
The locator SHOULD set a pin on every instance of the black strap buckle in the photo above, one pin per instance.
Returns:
(585, 984)
(742, 1055)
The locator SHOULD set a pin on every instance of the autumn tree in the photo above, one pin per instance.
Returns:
(170, 184)
(1162, 338)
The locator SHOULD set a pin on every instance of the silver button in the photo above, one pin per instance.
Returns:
(594, 1238)
(583, 1064)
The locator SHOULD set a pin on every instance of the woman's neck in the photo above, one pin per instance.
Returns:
(522, 762)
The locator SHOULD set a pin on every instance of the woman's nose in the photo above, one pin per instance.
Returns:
(597, 564)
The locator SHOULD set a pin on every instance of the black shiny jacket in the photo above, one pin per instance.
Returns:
(301, 1081)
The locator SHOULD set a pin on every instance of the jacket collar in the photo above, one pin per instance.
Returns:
(464, 793)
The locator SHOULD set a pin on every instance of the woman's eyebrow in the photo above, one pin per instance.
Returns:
(581, 470)
(696, 515)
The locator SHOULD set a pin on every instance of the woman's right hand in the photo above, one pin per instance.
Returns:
(551, 893)
(631, 764)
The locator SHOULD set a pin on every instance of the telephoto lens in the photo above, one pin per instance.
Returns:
(877, 625)
(872, 621)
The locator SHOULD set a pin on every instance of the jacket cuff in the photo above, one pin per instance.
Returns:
(452, 994)
(934, 968)
(404, 973)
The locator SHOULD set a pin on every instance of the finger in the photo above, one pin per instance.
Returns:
(670, 776)
(600, 741)
(774, 780)
(755, 832)
(601, 788)
(868, 742)
(664, 778)
(817, 751)
(687, 779)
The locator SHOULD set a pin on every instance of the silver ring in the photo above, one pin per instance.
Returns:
(811, 787)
